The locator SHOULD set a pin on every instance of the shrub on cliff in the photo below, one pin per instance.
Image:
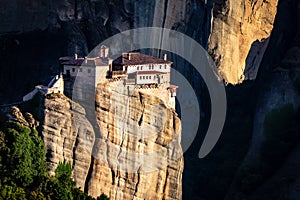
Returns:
(23, 168)
(22, 156)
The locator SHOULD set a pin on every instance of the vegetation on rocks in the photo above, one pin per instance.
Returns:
(23, 168)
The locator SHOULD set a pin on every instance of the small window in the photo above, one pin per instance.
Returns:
(89, 70)
(138, 68)
(159, 66)
(141, 67)
(152, 67)
(149, 66)
(149, 77)
(140, 78)
(143, 77)
(146, 77)
(165, 66)
(73, 69)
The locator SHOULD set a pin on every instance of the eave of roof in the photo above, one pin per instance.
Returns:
(139, 59)
(147, 72)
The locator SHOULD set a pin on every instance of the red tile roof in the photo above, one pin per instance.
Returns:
(84, 61)
(147, 72)
(173, 86)
(138, 59)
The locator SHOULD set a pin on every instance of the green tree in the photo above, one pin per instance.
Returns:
(22, 155)
(23, 168)
(12, 192)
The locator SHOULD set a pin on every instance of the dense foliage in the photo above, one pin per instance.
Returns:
(23, 168)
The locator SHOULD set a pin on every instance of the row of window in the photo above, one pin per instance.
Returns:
(148, 77)
(150, 67)
(145, 77)
(80, 70)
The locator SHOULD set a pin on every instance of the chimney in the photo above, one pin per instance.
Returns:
(110, 61)
(104, 50)
(165, 57)
(129, 56)
(124, 56)
(75, 56)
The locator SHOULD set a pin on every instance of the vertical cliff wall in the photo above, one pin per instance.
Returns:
(67, 135)
(239, 36)
(136, 155)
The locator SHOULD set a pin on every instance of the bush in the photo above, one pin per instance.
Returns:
(23, 168)
(23, 155)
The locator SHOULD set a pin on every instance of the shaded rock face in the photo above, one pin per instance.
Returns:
(38, 33)
(239, 36)
(136, 155)
(276, 88)
(14, 114)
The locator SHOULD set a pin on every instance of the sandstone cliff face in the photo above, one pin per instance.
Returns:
(239, 36)
(137, 154)
(67, 135)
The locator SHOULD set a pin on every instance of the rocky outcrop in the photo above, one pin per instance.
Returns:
(239, 36)
(14, 114)
(67, 135)
(136, 155)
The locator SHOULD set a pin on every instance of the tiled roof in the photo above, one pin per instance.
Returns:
(173, 86)
(138, 59)
(84, 62)
(147, 72)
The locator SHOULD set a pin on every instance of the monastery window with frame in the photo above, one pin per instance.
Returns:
(73, 69)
